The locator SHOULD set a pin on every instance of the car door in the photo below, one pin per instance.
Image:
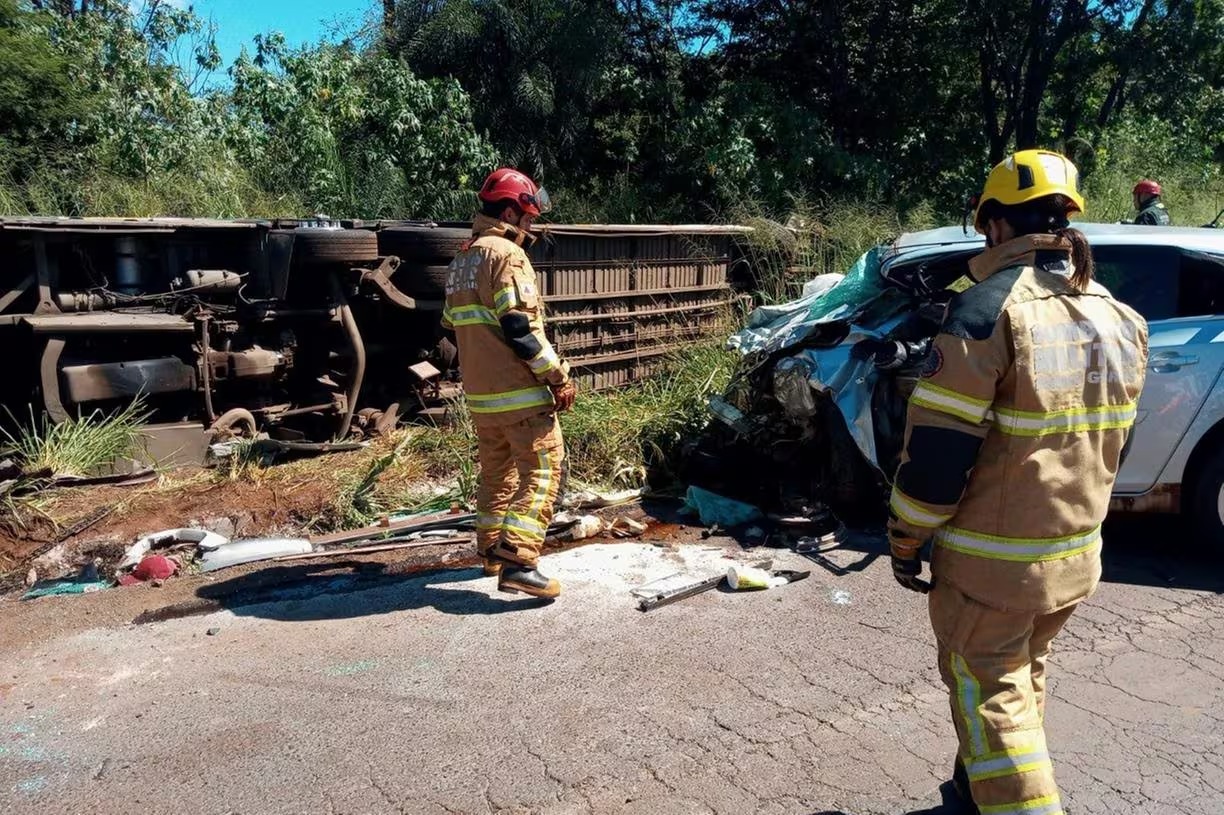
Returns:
(1179, 295)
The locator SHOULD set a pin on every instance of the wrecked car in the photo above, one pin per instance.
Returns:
(819, 400)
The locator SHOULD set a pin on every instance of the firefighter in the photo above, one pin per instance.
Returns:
(513, 381)
(1014, 437)
(1152, 210)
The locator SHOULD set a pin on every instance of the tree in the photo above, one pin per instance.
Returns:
(534, 69)
(39, 99)
(359, 134)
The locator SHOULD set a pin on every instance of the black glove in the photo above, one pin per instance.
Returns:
(908, 571)
(907, 563)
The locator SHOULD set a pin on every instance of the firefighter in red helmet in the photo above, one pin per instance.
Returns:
(1152, 210)
(514, 382)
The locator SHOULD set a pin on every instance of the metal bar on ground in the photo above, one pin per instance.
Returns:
(381, 547)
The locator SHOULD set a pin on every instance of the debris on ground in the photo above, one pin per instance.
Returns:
(587, 526)
(673, 588)
(717, 510)
(419, 543)
(249, 551)
(627, 528)
(86, 581)
(151, 568)
(266, 450)
(167, 539)
(741, 577)
(590, 499)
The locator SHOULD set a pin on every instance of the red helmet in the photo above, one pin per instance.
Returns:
(1146, 187)
(509, 184)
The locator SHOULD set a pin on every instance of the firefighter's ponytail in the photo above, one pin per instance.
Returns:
(1048, 215)
(1081, 257)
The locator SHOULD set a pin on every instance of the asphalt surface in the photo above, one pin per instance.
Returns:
(436, 694)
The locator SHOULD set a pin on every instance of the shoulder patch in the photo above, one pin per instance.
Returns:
(934, 362)
(973, 314)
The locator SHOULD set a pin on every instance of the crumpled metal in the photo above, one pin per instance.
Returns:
(849, 379)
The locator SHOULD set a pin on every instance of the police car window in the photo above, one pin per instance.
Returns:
(1202, 285)
(1143, 277)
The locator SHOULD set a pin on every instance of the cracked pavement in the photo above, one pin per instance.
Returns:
(436, 694)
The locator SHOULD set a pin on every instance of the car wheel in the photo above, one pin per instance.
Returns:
(1207, 502)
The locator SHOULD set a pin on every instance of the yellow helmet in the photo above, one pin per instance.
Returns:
(1028, 175)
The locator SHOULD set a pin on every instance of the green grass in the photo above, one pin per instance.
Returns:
(613, 439)
(618, 438)
(80, 446)
(214, 189)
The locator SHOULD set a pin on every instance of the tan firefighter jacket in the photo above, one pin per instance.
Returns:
(493, 304)
(1016, 428)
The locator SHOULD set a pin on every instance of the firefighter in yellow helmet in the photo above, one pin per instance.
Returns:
(513, 380)
(1014, 437)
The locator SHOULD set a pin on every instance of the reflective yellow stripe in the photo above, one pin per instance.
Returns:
(470, 315)
(505, 300)
(524, 526)
(911, 513)
(954, 404)
(1007, 762)
(510, 400)
(545, 481)
(1021, 550)
(1073, 420)
(968, 698)
(488, 521)
(1045, 805)
(544, 362)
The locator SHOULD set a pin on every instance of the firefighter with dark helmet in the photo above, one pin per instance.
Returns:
(514, 382)
(1014, 436)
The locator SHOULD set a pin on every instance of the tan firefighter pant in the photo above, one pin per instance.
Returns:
(520, 473)
(994, 664)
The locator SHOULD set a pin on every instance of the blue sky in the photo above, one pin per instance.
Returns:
(301, 21)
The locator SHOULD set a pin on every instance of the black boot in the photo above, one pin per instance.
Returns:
(960, 783)
(528, 580)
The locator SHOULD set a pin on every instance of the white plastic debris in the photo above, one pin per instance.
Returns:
(741, 577)
(225, 449)
(627, 528)
(251, 550)
(588, 526)
(589, 499)
(565, 517)
(168, 537)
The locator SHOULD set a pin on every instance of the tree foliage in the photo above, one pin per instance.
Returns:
(354, 133)
(629, 109)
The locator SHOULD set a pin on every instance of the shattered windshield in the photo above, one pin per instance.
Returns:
(860, 297)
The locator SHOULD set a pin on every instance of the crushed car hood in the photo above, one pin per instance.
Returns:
(860, 306)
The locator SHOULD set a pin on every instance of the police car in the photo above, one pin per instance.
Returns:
(1174, 277)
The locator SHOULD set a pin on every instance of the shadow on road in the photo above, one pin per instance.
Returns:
(1144, 550)
(950, 804)
(306, 593)
(1162, 551)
